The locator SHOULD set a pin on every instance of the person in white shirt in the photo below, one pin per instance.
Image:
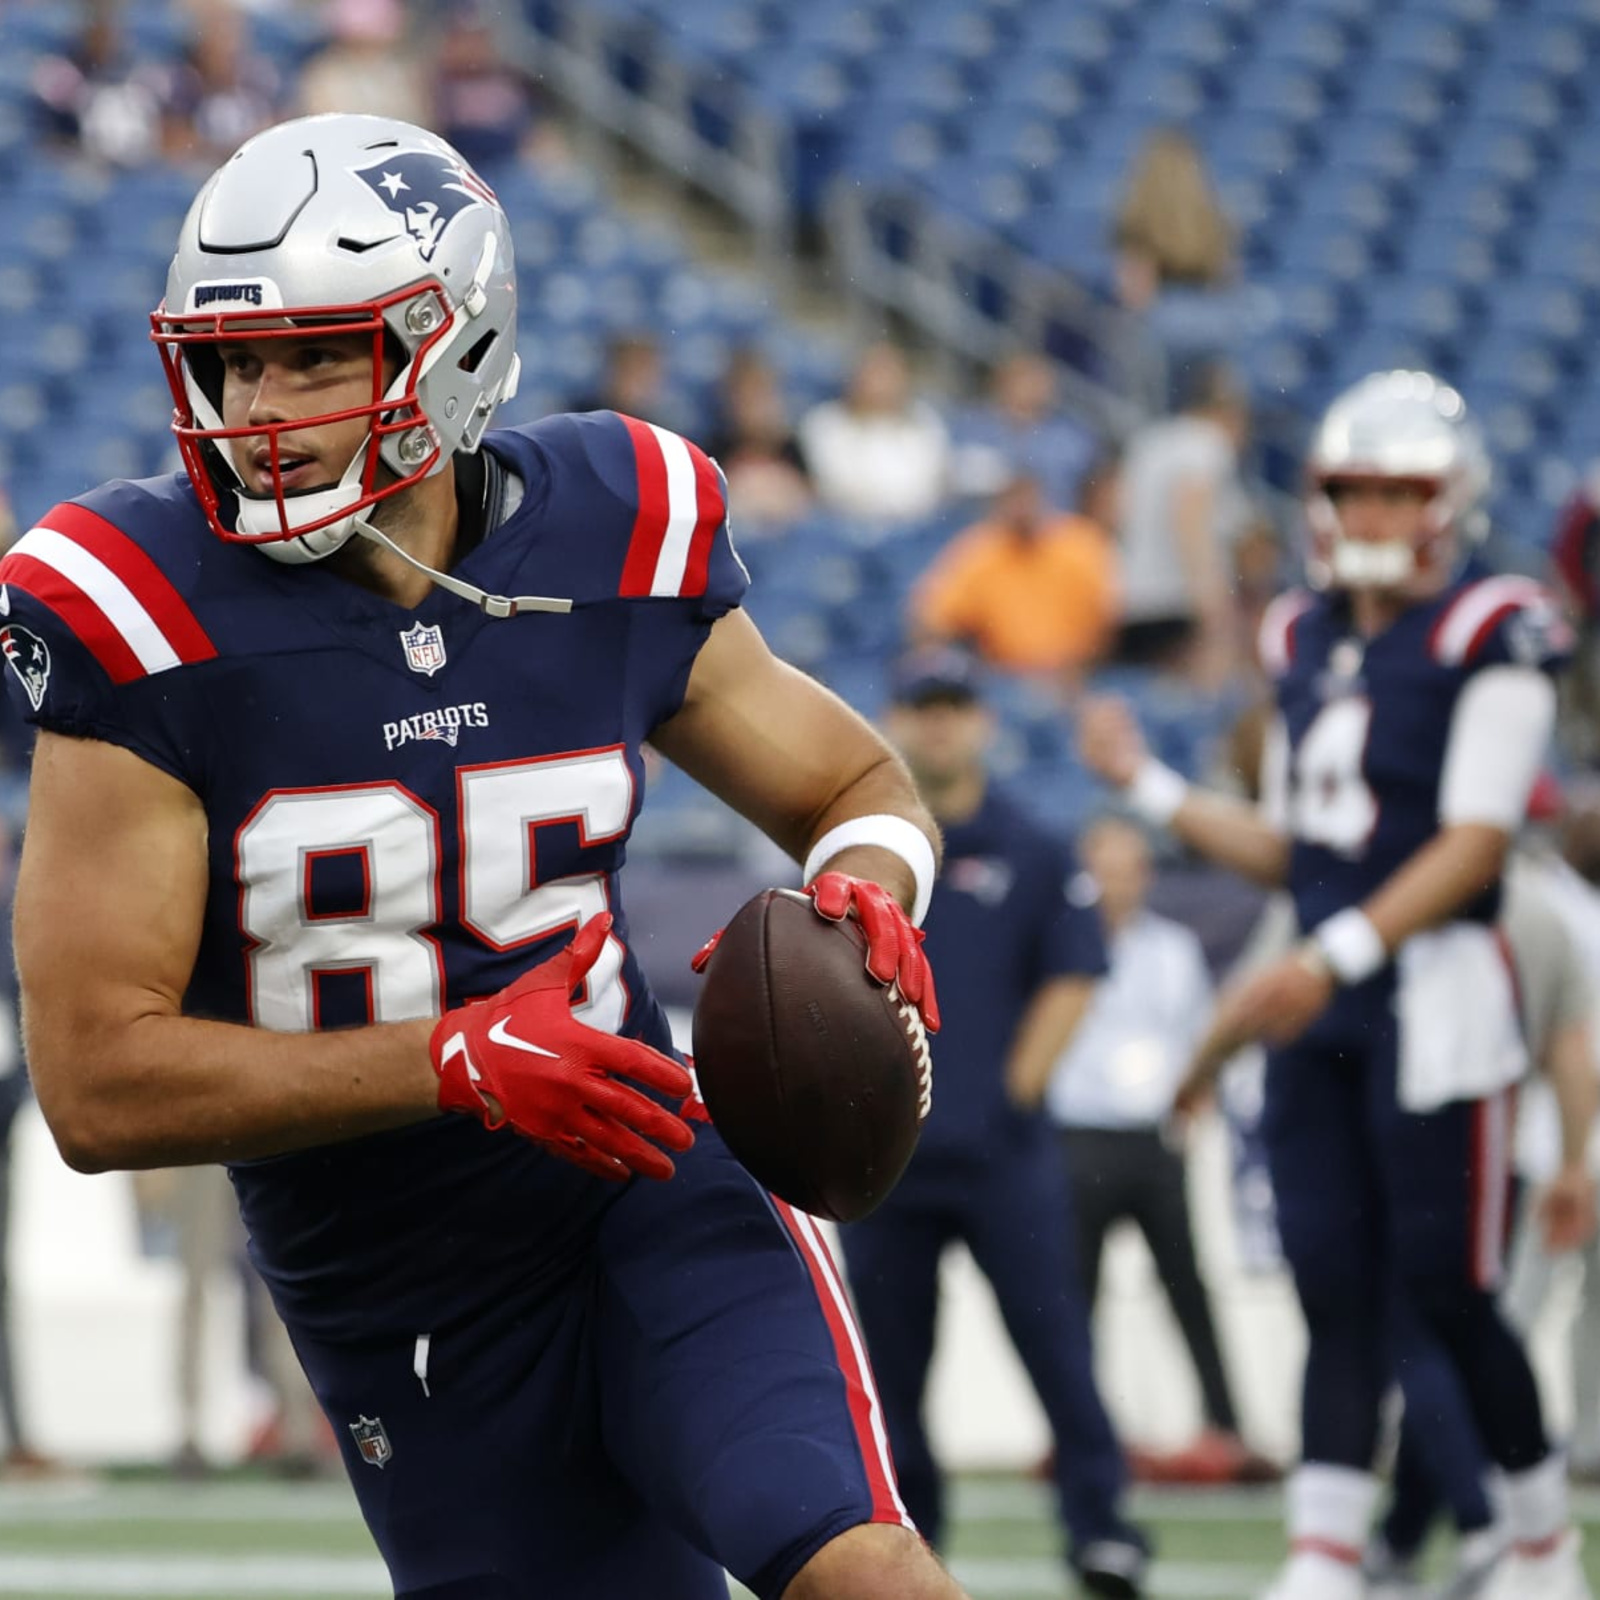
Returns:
(879, 453)
(1110, 1094)
(1184, 507)
(1539, 1159)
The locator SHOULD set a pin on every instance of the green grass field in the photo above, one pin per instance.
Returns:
(233, 1538)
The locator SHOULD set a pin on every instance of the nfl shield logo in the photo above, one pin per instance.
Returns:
(424, 647)
(371, 1440)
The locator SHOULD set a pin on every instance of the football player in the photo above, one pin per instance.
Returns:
(341, 738)
(1415, 703)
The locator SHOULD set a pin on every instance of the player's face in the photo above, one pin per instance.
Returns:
(284, 380)
(1380, 510)
(941, 739)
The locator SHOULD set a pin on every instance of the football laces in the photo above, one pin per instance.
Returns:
(911, 1021)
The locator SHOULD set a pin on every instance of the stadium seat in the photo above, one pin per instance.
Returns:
(1299, 39)
(1385, 150)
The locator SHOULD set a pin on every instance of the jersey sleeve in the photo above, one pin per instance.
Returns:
(1505, 620)
(666, 515)
(1276, 639)
(89, 627)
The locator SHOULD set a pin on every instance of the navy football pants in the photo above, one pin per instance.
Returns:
(1012, 1207)
(692, 1398)
(1394, 1225)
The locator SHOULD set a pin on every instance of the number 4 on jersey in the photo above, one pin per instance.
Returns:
(1331, 802)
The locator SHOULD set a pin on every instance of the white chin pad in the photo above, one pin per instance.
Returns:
(259, 518)
(1372, 566)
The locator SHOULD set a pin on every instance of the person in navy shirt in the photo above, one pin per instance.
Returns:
(341, 738)
(1415, 703)
(1019, 951)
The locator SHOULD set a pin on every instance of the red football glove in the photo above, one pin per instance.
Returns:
(894, 947)
(521, 1057)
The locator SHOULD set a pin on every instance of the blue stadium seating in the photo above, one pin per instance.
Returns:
(1393, 169)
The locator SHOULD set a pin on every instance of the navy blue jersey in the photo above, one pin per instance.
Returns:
(407, 808)
(1368, 722)
(1004, 919)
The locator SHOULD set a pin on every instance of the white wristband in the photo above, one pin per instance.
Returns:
(1156, 792)
(887, 832)
(1353, 947)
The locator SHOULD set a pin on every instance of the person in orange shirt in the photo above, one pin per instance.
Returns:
(1028, 589)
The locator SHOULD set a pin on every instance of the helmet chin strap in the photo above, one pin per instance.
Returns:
(494, 605)
(321, 542)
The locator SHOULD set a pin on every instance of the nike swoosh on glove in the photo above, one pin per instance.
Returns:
(894, 947)
(520, 1058)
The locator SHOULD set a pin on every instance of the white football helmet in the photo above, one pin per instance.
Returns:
(348, 225)
(1404, 426)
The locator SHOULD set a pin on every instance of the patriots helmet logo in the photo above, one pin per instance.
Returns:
(427, 191)
(29, 657)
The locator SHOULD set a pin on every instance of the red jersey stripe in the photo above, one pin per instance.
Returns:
(655, 506)
(865, 1413)
(146, 582)
(83, 618)
(708, 497)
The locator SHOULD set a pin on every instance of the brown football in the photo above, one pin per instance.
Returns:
(816, 1075)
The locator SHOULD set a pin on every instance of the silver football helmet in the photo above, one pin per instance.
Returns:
(1404, 426)
(344, 225)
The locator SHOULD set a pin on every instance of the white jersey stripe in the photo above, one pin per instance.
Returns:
(113, 598)
(824, 1265)
(683, 512)
(1473, 607)
(1277, 622)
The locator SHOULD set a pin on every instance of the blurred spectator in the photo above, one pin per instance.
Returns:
(1533, 1264)
(1019, 422)
(1257, 579)
(96, 98)
(879, 452)
(367, 65)
(634, 382)
(19, 1459)
(1170, 227)
(209, 1234)
(191, 1211)
(1176, 261)
(220, 92)
(1110, 1094)
(1184, 508)
(1030, 590)
(485, 103)
(753, 443)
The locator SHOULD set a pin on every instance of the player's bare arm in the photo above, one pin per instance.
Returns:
(1045, 1031)
(1453, 868)
(110, 899)
(1224, 829)
(789, 755)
